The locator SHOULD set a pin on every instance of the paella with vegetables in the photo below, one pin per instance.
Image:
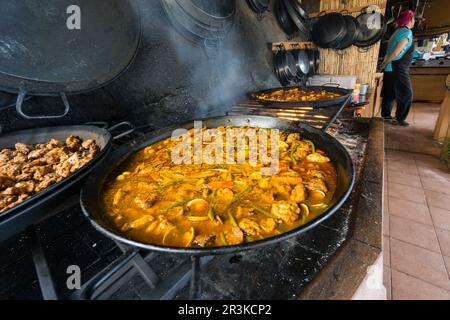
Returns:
(153, 200)
(297, 95)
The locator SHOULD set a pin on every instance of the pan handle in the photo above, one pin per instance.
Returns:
(122, 124)
(100, 124)
(19, 105)
(331, 84)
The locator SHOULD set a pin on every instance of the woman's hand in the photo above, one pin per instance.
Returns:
(384, 64)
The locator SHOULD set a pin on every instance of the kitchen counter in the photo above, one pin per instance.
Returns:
(433, 63)
(341, 278)
(428, 79)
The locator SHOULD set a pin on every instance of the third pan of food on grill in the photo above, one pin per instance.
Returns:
(297, 94)
(153, 200)
(29, 169)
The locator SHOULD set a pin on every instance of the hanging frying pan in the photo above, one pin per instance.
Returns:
(283, 19)
(316, 61)
(297, 19)
(372, 27)
(329, 30)
(352, 33)
(258, 6)
(212, 15)
(302, 63)
(279, 68)
(297, 4)
(290, 66)
(311, 61)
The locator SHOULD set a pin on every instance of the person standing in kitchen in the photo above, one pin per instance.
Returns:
(397, 83)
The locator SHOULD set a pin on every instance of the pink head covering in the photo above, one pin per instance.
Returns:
(404, 18)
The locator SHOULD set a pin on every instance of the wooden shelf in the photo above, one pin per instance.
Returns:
(292, 45)
(344, 10)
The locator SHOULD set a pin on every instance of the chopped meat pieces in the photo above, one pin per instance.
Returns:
(20, 158)
(31, 168)
(298, 194)
(73, 142)
(23, 148)
(234, 236)
(317, 184)
(317, 157)
(205, 240)
(268, 225)
(250, 227)
(286, 211)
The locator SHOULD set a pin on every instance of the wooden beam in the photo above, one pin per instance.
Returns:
(292, 45)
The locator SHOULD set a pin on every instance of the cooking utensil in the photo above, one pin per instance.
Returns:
(297, 19)
(290, 66)
(40, 204)
(351, 33)
(316, 61)
(214, 15)
(258, 6)
(344, 94)
(280, 69)
(283, 18)
(302, 63)
(190, 20)
(372, 27)
(92, 209)
(329, 30)
(40, 55)
(311, 60)
(297, 4)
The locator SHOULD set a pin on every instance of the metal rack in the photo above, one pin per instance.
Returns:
(319, 117)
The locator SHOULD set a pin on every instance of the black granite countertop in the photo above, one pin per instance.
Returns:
(341, 277)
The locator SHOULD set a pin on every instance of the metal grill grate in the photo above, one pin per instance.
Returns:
(319, 117)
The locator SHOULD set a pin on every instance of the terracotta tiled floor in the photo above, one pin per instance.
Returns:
(416, 221)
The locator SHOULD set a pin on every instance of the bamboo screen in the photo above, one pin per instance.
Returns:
(352, 61)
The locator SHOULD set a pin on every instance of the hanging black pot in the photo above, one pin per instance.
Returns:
(283, 18)
(258, 6)
(299, 22)
(302, 63)
(372, 27)
(351, 33)
(290, 66)
(279, 69)
(329, 30)
(297, 4)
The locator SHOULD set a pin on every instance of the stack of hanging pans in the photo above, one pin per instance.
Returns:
(203, 22)
(337, 31)
(314, 61)
(295, 66)
(292, 17)
(258, 6)
(285, 67)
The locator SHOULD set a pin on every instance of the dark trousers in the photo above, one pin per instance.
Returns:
(397, 87)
